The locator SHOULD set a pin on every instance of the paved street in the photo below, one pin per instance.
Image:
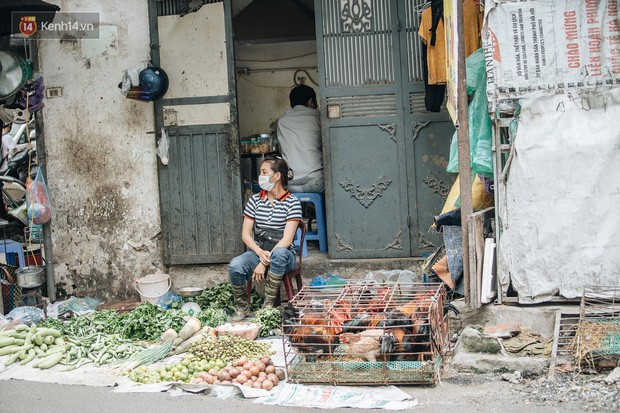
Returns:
(20, 396)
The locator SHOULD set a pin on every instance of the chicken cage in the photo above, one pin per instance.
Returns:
(596, 342)
(366, 333)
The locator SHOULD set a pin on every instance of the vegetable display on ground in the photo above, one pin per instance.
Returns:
(228, 348)
(259, 374)
(221, 296)
(270, 319)
(49, 347)
(147, 322)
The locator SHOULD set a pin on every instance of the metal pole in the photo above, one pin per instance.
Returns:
(42, 161)
(463, 145)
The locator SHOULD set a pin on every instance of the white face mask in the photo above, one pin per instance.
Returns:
(264, 183)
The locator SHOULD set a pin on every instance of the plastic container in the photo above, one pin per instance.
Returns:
(263, 143)
(255, 146)
(246, 146)
(152, 286)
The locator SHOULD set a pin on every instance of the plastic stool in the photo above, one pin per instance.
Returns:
(14, 247)
(321, 233)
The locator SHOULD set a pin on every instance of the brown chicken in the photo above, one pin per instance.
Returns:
(315, 334)
(365, 345)
(380, 301)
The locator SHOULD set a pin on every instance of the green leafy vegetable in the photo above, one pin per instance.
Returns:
(212, 317)
(146, 322)
(270, 319)
(221, 296)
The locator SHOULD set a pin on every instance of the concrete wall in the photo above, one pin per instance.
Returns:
(263, 96)
(101, 162)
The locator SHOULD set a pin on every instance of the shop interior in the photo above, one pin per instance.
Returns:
(270, 59)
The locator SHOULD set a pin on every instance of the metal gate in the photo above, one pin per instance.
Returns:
(427, 135)
(200, 188)
(383, 155)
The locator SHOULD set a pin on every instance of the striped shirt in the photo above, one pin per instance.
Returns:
(272, 216)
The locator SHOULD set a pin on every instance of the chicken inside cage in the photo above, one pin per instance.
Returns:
(367, 322)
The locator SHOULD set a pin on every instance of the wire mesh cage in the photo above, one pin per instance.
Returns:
(366, 333)
(597, 338)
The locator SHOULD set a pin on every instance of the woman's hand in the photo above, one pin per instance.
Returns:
(265, 258)
(259, 273)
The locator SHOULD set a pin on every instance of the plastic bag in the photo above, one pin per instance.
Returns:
(162, 147)
(168, 300)
(26, 315)
(327, 280)
(480, 132)
(38, 200)
(131, 76)
(77, 305)
(392, 276)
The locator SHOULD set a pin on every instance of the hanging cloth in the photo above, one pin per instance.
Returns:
(434, 95)
(437, 15)
(432, 33)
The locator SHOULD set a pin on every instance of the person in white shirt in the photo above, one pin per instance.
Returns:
(299, 134)
(7, 146)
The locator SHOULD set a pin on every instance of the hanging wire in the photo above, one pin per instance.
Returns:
(296, 82)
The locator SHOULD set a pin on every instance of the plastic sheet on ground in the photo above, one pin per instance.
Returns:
(103, 376)
(333, 397)
(286, 394)
(87, 375)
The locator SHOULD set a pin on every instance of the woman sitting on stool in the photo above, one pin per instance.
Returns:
(273, 215)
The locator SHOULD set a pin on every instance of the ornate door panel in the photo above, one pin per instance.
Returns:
(363, 145)
(385, 155)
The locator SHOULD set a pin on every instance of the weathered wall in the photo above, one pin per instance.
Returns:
(101, 162)
(263, 96)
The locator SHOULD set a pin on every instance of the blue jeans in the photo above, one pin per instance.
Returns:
(241, 267)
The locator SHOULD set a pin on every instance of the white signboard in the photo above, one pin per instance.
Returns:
(548, 44)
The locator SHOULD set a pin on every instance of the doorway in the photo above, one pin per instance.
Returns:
(384, 155)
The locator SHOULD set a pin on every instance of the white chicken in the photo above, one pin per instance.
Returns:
(365, 345)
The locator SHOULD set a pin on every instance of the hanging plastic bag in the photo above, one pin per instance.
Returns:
(163, 144)
(38, 200)
(480, 134)
(131, 76)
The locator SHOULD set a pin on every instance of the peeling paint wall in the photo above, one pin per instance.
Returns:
(101, 163)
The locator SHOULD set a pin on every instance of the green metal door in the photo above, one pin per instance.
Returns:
(200, 188)
(427, 136)
(363, 145)
(384, 154)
